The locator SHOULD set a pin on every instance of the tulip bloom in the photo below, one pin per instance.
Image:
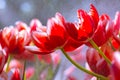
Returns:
(14, 39)
(116, 66)
(96, 63)
(86, 26)
(8, 36)
(49, 38)
(80, 32)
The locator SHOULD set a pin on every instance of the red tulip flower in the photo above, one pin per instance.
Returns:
(49, 38)
(79, 32)
(116, 66)
(14, 39)
(86, 26)
(8, 36)
(96, 63)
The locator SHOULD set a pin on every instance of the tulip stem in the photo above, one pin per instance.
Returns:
(8, 63)
(82, 68)
(24, 75)
(99, 51)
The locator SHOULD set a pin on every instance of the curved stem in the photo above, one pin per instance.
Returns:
(99, 51)
(8, 62)
(24, 75)
(82, 68)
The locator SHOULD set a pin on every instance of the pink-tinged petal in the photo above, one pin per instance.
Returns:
(102, 67)
(94, 15)
(109, 29)
(23, 39)
(56, 33)
(54, 28)
(36, 50)
(35, 24)
(21, 25)
(104, 17)
(9, 36)
(97, 63)
(85, 27)
(116, 22)
(60, 18)
(116, 66)
(92, 57)
(39, 39)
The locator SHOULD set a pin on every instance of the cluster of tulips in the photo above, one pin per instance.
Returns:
(99, 33)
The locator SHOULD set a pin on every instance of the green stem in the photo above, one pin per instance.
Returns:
(8, 63)
(24, 76)
(99, 50)
(82, 68)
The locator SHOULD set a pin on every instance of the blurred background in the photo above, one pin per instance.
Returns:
(25, 10)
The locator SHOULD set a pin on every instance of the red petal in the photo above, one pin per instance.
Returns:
(94, 15)
(117, 22)
(56, 32)
(21, 26)
(72, 30)
(54, 28)
(34, 24)
(16, 75)
(39, 38)
(85, 27)
(116, 66)
(36, 50)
